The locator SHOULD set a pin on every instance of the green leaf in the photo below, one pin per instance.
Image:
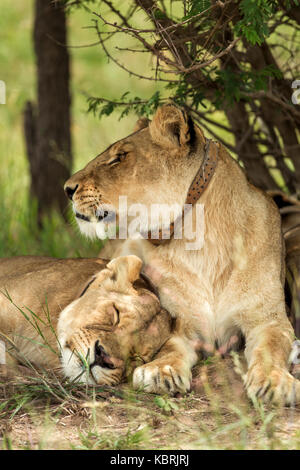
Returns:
(196, 7)
(255, 15)
(160, 402)
(158, 14)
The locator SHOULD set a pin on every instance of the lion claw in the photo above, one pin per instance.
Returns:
(161, 379)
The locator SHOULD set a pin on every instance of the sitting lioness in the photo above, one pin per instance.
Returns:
(98, 318)
(227, 289)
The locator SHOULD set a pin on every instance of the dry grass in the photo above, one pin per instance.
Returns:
(43, 411)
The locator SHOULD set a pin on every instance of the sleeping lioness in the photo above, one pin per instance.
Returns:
(228, 289)
(79, 312)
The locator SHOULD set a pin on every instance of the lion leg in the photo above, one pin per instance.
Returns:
(268, 347)
(170, 372)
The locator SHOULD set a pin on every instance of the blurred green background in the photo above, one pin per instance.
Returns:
(92, 74)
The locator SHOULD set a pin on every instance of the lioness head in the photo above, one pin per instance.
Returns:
(154, 165)
(113, 323)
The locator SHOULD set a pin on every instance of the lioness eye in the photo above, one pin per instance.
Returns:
(117, 159)
(113, 313)
(117, 315)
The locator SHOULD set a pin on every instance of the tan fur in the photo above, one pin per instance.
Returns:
(233, 285)
(77, 303)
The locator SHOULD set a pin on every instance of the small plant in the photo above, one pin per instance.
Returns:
(166, 404)
(93, 440)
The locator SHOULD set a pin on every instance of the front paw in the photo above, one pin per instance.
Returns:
(162, 378)
(278, 386)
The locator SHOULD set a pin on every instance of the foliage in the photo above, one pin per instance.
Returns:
(254, 23)
(206, 55)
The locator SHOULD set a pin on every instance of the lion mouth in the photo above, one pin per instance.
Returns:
(101, 216)
(82, 217)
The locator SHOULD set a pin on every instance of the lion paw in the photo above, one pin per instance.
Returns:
(279, 386)
(161, 379)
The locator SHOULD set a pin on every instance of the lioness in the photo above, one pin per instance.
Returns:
(228, 289)
(84, 310)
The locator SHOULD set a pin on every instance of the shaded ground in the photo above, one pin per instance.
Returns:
(44, 412)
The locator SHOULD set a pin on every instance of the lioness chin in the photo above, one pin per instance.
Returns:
(228, 289)
(95, 319)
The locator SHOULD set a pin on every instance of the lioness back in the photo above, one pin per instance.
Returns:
(42, 287)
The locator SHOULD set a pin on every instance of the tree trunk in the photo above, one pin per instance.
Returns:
(248, 151)
(47, 134)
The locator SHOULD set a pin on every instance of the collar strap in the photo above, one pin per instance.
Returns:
(197, 188)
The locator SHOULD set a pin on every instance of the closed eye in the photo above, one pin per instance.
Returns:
(117, 316)
(117, 159)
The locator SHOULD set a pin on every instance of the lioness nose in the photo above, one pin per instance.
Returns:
(70, 191)
(102, 359)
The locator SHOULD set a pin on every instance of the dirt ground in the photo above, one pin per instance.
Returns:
(215, 415)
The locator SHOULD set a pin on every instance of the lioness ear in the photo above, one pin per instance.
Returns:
(172, 127)
(141, 124)
(126, 268)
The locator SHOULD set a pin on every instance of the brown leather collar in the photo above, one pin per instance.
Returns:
(197, 188)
